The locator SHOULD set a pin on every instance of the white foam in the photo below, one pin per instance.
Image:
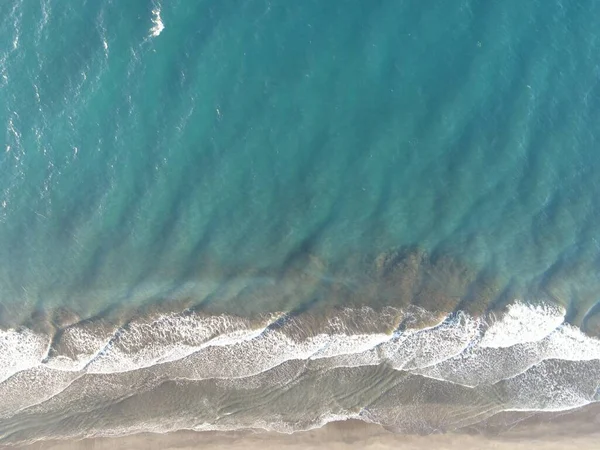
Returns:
(570, 343)
(169, 338)
(86, 345)
(453, 346)
(20, 350)
(546, 366)
(218, 340)
(452, 350)
(421, 348)
(158, 26)
(523, 323)
(409, 350)
(250, 357)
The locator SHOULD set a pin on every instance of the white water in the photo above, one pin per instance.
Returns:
(550, 366)
(158, 25)
(459, 339)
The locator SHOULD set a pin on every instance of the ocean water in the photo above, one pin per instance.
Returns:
(222, 215)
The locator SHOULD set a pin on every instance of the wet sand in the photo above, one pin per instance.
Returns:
(579, 429)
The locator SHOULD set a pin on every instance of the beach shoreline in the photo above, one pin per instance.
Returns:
(545, 431)
(299, 374)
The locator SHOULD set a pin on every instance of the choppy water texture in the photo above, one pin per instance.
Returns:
(271, 215)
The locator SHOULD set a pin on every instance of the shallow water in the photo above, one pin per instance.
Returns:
(209, 201)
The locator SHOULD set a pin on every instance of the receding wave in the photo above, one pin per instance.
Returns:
(288, 372)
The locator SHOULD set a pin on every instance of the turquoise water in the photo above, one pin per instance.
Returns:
(202, 152)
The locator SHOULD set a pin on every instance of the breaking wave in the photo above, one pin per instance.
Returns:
(380, 366)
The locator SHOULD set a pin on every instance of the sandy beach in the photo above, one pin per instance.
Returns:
(578, 429)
